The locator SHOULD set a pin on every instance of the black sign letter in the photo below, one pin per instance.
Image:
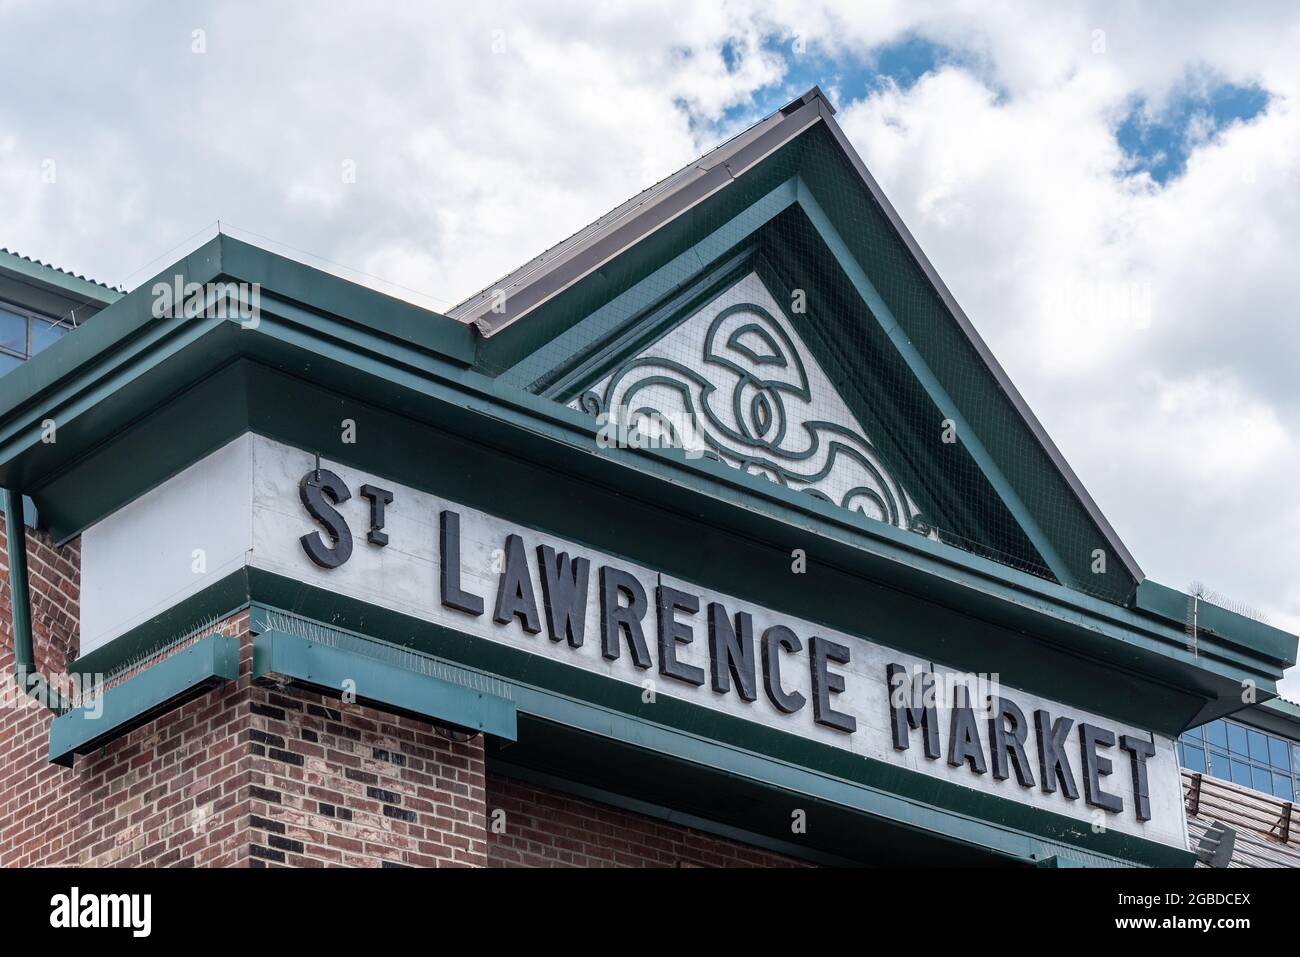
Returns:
(515, 598)
(1009, 742)
(315, 489)
(731, 652)
(449, 566)
(672, 632)
(774, 639)
(911, 705)
(826, 683)
(1139, 749)
(1053, 762)
(1095, 766)
(627, 618)
(964, 735)
(378, 498)
(564, 594)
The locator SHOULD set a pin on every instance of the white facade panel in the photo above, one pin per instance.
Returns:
(170, 543)
(241, 504)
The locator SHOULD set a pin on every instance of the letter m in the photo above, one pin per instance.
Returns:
(911, 706)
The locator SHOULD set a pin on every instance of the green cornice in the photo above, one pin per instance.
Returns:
(1169, 604)
(136, 399)
(127, 330)
(1277, 715)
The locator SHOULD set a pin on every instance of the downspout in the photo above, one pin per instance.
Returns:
(25, 674)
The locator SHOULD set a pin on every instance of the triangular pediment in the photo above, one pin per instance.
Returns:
(766, 307)
(736, 380)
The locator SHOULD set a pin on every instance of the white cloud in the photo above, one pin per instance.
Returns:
(1152, 329)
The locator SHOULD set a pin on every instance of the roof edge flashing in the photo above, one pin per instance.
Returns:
(495, 311)
(1169, 604)
(56, 280)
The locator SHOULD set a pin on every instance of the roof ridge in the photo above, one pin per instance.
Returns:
(463, 312)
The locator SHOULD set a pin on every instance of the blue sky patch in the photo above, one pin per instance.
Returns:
(844, 78)
(1159, 142)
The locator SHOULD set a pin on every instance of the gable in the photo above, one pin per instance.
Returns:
(897, 364)
(735, 380)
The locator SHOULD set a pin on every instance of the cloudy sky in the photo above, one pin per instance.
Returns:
(1111, 191)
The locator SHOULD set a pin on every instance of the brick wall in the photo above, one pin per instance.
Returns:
(242, 776)
(542, 827)
(253, 776)
(169, 793)
(346, 785)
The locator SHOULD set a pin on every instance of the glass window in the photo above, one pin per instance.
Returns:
(1193, 758)
(1217, 733)
(1277, 754)
(1261, 780)
(1236, 739)
(44, 333)
(1194, 733)
(1219, 766)
(1282, 787)
(1258, 746)
(13, 331)
(8, 362)
(1241, 773)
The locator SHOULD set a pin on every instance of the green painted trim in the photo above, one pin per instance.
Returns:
(387, 687)
(825, 165)
(28, 679)
(94, 348)
(141, 400)
(982, 627)
(69, 284)
(364, 308)
(86, 353)
(554, 691)
(936, 491)
(665, 285)
(159, 688)
(951, 811)
(217, 601)
(618, 344)
(967, 436)
(549, 433)
(586, 352)
(596, 704)
(1227, 626)
(20, 607)
(514, 343)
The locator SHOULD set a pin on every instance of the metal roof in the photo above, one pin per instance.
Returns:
(1268, 828)
(70, 287)
(518, 293)
(586, 250)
